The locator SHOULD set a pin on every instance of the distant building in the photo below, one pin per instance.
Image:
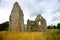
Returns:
(16, 21)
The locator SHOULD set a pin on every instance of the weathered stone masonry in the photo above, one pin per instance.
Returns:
(16, 22)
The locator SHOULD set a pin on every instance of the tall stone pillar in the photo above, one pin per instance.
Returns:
(16, 20)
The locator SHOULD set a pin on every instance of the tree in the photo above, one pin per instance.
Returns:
(54, 27)
(48, 27)
(4, 26)
(58, 25)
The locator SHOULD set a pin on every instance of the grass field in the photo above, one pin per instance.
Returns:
(53, 34)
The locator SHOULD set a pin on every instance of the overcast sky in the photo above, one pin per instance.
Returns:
(49, 9)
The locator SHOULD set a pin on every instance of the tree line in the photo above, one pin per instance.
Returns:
(5, 26)
(54, 27)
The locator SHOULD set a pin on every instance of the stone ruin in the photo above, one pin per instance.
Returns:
(16, 21)
(38, 25)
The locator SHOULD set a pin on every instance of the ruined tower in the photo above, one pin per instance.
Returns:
(16, 20)
(38, 25)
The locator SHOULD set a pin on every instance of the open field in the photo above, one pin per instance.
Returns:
(53, 34)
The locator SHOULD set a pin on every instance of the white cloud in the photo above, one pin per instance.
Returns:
(52, 18)
(31, 8)
(4, 15)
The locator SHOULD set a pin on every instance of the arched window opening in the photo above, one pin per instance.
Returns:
(39, 23)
